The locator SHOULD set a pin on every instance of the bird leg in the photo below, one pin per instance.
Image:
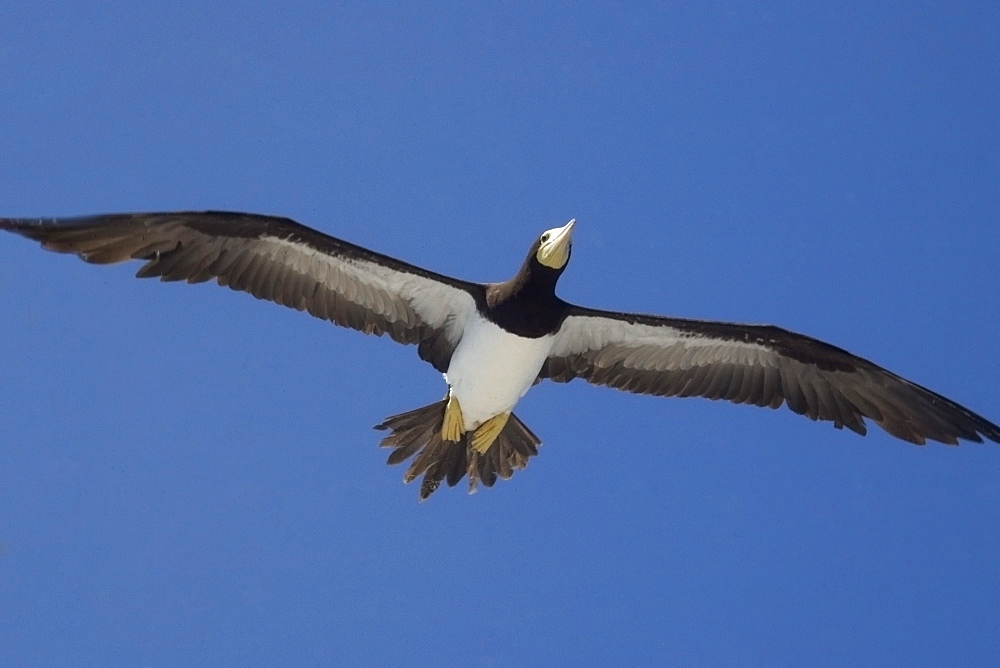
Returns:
(453, 425)
(487, 432)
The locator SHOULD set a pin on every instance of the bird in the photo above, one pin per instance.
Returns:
(494, 341)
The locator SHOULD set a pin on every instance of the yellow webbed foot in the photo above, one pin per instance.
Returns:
(487, 432)
(452, 427)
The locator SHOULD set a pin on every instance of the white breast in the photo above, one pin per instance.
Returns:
(491, 369)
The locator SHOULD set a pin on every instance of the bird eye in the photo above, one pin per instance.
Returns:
(545, 237)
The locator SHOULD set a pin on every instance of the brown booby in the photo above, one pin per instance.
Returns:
(493, 341)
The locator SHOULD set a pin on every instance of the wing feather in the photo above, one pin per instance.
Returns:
(754, 364)
(278, 260)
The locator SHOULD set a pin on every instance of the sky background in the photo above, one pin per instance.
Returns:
(189, 476)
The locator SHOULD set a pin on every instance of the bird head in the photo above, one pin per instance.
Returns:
(554, 246)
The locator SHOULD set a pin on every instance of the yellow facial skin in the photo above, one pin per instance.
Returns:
(554, 249)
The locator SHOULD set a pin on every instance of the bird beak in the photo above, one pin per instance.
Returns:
(564, 234)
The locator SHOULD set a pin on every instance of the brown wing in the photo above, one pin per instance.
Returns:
(279, 260)
(753, 364)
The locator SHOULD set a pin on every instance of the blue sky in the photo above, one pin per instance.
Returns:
(190, 476)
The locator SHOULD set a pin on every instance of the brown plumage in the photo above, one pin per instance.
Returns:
(761, 365)
(417, 434)
(282, 261)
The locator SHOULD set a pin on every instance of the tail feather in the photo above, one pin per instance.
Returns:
(406, 443)
(417, 434)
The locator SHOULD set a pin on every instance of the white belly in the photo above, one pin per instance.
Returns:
(491, 369)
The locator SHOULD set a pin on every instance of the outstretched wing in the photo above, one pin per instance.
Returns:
(753, 364)
(279, 260)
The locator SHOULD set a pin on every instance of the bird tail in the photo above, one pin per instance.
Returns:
(417, 434)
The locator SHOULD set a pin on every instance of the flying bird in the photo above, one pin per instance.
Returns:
(494, 341)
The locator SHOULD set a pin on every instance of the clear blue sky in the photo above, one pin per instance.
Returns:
(190, 476)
